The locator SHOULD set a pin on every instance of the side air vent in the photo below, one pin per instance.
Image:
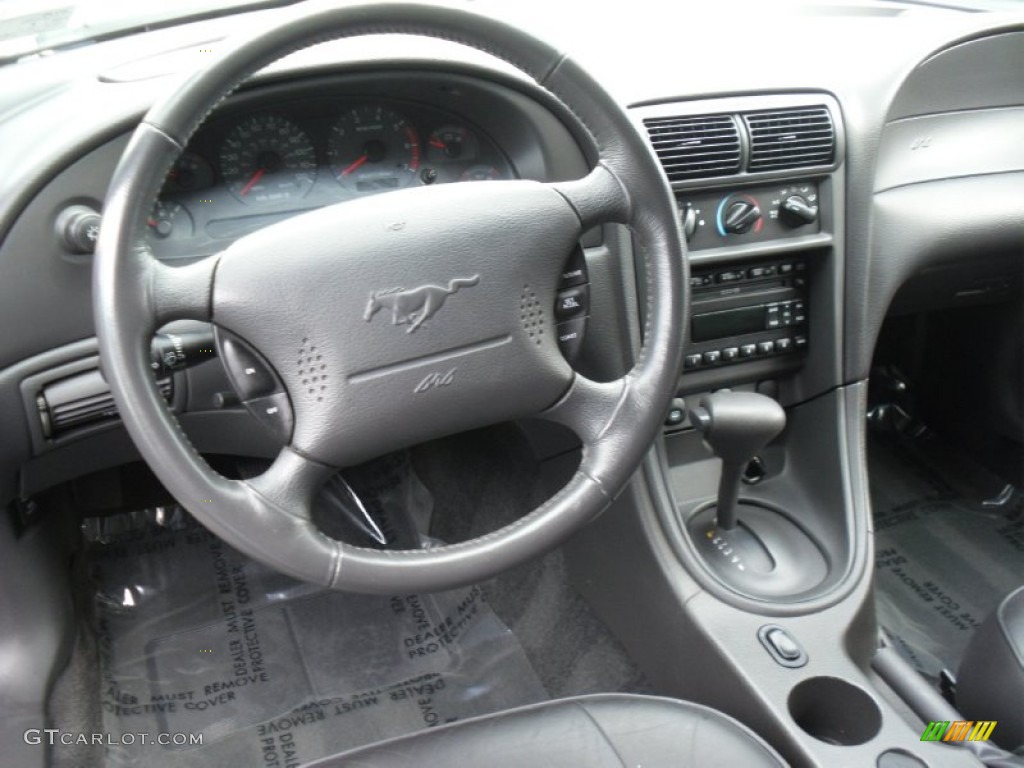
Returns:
(80, 400)
(696, 147)
(790, 138)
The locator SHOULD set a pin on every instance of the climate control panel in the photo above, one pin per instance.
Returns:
(753, 214)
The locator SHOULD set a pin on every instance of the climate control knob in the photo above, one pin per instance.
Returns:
(740, 217)
(796, 211)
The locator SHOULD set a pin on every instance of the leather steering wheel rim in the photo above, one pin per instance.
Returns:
(268, 517)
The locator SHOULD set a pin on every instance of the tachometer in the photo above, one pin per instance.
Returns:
(268, 159)
(373, 149)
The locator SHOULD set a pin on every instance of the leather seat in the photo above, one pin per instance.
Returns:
(990, 681)
(601, 731)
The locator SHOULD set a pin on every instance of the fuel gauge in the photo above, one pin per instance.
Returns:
(452, 142)
(170, 219)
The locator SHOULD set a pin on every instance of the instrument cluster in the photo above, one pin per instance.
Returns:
(252, 168)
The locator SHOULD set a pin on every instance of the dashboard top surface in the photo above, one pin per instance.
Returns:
(862, 55)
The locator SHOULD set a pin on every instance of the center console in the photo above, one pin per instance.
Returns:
(737, 568)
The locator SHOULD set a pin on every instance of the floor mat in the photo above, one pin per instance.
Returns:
(943, 559)
(194, 638)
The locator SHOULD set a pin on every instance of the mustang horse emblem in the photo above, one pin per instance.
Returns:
(414, 306)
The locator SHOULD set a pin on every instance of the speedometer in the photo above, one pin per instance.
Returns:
(268, 159)
(373, 149)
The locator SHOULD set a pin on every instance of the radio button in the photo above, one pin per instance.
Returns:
(729, 354)
(783, 345)
(748, 350)
(766, 347)
(755, 272)
(800, 342)
(693, 361)
(712, 357)
(701, 281)
(772, 317)
(785, 269)
(732, 276)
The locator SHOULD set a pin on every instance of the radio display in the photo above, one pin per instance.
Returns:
(728, 322)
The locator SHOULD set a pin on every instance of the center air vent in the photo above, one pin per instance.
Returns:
(696, 147)
(790, 138)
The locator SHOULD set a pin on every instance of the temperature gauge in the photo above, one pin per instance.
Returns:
(480, 173)
(452, 142)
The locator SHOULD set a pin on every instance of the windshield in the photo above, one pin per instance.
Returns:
(32, 26)
(37, 26)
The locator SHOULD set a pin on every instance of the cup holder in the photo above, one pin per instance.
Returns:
(834, 711)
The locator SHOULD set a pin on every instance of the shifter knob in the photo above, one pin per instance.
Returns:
(736, 425)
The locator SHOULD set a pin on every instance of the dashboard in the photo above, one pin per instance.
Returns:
(910, 118)
(268, 158)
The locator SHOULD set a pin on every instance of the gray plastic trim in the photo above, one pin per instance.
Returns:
(945, 146)
(947, 221)
(979, 73)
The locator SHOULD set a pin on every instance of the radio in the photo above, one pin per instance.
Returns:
(746, 313)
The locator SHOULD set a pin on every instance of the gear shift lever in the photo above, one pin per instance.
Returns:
(735, 425)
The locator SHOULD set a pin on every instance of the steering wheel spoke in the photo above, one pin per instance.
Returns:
(588, 407)
(291, 483)
(182, 293)
(597, 198)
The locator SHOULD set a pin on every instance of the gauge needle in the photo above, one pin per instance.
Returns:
(252, 182)
(437, 143)
(359, 161)
(151, 222)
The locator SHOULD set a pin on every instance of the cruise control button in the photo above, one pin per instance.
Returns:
(575, 272)
(730, 353)
(274, 413)
(572, 303)
(712, 357)
(766, 347)
(748, 350)
(249, 373)
(693, 361)
(570, 337)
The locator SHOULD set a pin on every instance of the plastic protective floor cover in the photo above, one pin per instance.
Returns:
(194, 638)
(943, 558)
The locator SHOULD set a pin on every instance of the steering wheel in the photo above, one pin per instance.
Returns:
(379, 296)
